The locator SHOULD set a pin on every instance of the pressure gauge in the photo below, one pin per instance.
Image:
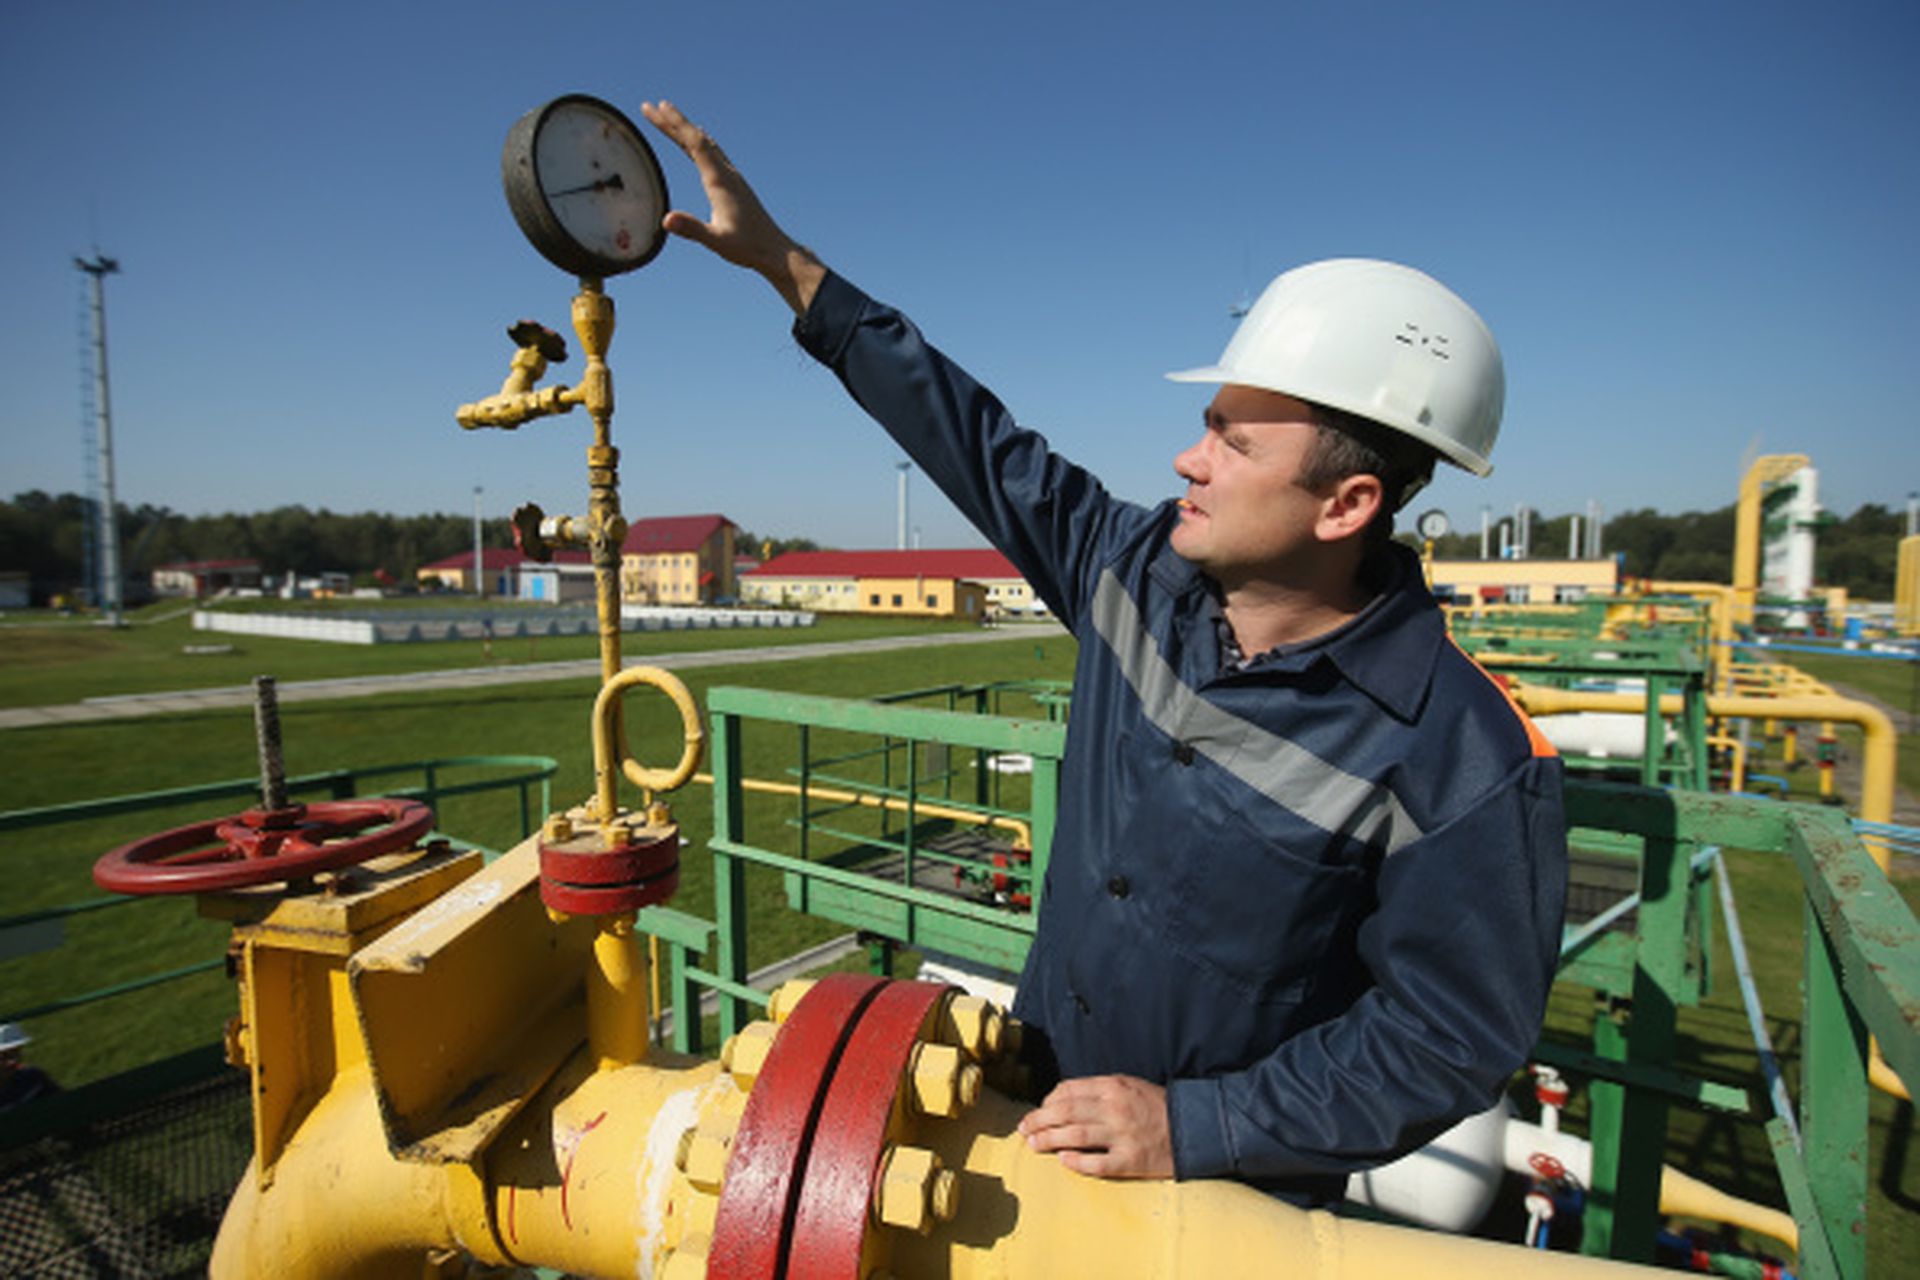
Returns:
(585, 187)
(1433, 524)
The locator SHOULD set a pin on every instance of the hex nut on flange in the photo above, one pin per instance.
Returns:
(746, 1053)
(902, 1195)
(786, 997)
(688, 1262)
(976, 1025)
(706, 1154)
(944, 1082)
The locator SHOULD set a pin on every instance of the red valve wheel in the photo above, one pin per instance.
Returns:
(263, 846)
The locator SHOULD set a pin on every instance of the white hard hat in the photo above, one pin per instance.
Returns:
(1380, 341)
(13, 1036)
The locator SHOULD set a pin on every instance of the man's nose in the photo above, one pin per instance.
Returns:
(1190, 463)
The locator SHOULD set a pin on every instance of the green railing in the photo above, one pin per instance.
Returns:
(1862, 975)
(892, 741)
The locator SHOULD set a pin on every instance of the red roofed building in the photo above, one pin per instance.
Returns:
(948, 584)
(678, 560)
(499, 570)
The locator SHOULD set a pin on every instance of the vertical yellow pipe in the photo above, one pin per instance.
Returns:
(617, 996)
(1746, 527)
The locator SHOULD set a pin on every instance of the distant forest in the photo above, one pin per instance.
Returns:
(44, 535)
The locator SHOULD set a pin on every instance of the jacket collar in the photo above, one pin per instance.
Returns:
(1387, 652)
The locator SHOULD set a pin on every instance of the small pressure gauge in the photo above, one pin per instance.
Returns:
(585, 187)
(1433, 524)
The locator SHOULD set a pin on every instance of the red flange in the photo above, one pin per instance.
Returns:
(588, 881)
(844, 1156)
(263, 846)
(755, 1216)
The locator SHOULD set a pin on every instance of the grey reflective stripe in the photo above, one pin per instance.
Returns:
(1281, 770)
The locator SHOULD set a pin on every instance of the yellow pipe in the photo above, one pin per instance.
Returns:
(1688, 1197)
(1877, 774)
(339, 1205)
(1768, 469)
(593, 1177)
(617, 995)
(1022, 833)
(1736, 748)
(1720, 618)
(1042, 1219)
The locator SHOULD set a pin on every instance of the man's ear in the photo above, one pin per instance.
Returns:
(1349, 507)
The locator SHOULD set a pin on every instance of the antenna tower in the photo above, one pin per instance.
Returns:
(89, 592)
(104, 523)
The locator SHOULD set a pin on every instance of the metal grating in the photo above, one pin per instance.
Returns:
(139, 1194)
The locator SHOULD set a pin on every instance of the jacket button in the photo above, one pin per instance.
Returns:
(1080, 1003)
(1183, 752)
(1119, 887)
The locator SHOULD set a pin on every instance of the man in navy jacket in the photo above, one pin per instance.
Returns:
(1305, 894)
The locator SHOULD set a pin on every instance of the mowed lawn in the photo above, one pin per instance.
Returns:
(52, 765)
(46, 660)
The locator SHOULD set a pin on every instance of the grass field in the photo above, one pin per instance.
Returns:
(55, 764)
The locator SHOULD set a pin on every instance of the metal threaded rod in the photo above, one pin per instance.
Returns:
(266, 732)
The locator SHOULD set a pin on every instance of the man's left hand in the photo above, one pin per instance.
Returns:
(1105, 1126)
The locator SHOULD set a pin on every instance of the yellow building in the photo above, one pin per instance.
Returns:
(1469, 582)
(935, 584)
(678, 560)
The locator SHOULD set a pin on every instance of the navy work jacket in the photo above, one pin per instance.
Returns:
(1317, 897)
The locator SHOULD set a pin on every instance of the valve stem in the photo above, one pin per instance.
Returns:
(266, 733)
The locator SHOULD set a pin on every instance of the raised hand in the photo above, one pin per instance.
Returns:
(738, 227)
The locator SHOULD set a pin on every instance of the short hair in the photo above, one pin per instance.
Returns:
(1346, 444)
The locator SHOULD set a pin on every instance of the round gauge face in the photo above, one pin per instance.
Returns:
(1433, 524)
(585, 187)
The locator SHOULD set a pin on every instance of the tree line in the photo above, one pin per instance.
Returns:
(1858, 552)
(45, 535)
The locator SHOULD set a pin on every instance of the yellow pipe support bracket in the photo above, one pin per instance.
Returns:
(610, 747)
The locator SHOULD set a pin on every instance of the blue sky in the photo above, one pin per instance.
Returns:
(1691, 226)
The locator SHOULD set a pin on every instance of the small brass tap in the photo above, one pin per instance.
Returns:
(518, 400)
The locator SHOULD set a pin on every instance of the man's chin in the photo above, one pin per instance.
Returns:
(1188, 548)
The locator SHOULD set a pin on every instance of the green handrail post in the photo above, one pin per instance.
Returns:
(729, 871)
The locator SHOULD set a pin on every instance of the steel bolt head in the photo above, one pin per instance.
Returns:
(786, 998)
(559, 828)
(902, 1195)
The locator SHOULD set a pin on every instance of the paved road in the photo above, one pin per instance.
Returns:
(126, 706)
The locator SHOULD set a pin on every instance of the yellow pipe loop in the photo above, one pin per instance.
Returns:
(609, 744)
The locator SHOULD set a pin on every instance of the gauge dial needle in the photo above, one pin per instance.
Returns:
(605, 184)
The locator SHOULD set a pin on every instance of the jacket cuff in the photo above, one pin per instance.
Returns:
(1197, 1128)
(826, 328)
